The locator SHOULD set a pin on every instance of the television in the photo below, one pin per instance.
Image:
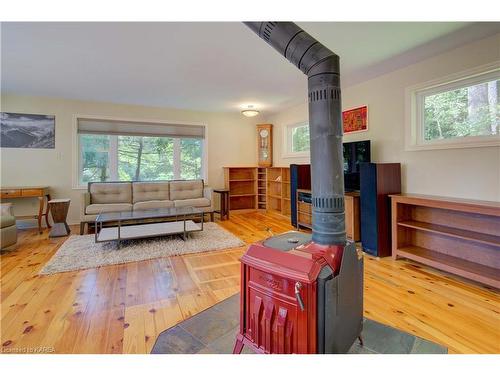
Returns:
(354, 154)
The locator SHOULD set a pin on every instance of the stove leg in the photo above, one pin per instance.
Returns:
(238, 345)
(360, 340)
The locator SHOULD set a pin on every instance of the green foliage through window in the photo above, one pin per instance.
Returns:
(464, 112)
(138, 158)
(300, 138)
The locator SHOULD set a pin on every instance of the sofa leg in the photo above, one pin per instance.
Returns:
(211, 216)
(82, 228)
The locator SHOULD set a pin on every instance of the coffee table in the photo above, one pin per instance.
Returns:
(119, 226)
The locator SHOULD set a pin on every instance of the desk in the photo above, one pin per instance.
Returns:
(40, 192)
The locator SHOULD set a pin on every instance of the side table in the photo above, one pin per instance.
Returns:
(59, 211)
(224, 203)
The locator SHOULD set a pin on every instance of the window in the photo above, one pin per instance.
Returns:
(125, 151)
(463, 112)
(297, 140)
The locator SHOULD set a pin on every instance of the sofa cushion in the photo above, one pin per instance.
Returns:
(111, 192)
(150, 205)
(186, 189)
(150, 191)
(7, 221)
(98, 208)
(193, 202)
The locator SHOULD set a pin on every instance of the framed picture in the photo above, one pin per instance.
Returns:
(19, 130)
(355, 120)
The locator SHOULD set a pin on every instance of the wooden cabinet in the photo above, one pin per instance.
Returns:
(352, 222)
(455, 235)
(352, 219)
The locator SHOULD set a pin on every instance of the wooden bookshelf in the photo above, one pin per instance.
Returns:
(242, 185)
(455, 235)
(261, 188)
(278, 190)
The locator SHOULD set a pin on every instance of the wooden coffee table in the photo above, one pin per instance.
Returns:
(119, 226)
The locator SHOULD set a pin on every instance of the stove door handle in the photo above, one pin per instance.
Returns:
(298, 286)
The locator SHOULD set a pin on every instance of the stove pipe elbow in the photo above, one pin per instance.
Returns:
(325, 123)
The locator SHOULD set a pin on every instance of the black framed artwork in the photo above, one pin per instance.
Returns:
(19, 130)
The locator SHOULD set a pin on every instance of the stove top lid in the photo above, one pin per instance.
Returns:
(287, 241)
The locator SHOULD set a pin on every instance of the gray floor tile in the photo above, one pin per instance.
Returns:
(422, 346)
(214, 330)
(230, 306)
(210, 324)
(386, 340)
(358, 349)
(176, 341)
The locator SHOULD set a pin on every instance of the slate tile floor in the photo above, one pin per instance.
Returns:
(213, 331)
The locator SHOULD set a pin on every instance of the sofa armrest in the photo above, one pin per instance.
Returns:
(208, 193)
(6, 209)
(84, 203)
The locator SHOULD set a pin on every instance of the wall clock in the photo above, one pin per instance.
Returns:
(265, 145)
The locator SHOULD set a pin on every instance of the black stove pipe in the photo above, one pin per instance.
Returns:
(325, 123)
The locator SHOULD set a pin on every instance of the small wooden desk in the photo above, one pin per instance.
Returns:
(40, 192)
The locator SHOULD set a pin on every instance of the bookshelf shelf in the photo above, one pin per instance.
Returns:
(456, 236)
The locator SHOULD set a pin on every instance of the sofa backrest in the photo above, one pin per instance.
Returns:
(150, 191)
(186, 189)
(110, 192)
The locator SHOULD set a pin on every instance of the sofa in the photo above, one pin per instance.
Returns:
(8, 231)
(103, 197)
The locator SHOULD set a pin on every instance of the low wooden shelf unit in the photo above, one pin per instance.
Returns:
(455, 235)
(263, 188)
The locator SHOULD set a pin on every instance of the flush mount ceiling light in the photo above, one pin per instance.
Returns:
(250, 112)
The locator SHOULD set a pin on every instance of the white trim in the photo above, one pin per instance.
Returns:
(287, 149)
(76, 147)
(413, 100)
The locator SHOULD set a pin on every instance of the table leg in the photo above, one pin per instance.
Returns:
(47, 211)
(184, 234)
(226, 205)
(40, 212)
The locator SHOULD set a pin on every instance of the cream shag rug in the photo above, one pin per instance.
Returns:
(81, 252)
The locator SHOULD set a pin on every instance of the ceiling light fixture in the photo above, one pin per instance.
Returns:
(250, 112)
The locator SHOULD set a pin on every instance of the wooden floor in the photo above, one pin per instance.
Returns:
(123, 308)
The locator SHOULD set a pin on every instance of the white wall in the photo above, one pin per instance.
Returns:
(231, 141)
(465, 173)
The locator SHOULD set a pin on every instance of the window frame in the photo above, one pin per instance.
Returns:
(76, 183)
(414, 108)
(288, 141)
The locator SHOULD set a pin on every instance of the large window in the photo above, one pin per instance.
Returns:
(297, 140)
(464, 112)
(110, 151)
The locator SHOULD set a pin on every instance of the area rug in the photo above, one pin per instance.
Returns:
(81, 252)
(213, 331)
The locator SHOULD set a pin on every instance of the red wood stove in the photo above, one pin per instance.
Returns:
(300, 297)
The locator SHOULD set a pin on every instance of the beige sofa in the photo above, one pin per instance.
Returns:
(8, 231)
(128, 196)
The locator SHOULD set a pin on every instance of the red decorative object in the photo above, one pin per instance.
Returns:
(278, 299)
(355, 120)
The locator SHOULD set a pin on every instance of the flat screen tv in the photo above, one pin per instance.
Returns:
(354, 154)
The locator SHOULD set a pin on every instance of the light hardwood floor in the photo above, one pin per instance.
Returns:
(123, 308)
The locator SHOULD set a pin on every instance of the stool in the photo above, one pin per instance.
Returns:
(224, 203)
(59, 211)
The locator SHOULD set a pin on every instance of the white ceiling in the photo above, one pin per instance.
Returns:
(203, 66)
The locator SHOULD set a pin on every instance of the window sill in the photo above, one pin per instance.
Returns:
(455, 144)
(296, 155)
